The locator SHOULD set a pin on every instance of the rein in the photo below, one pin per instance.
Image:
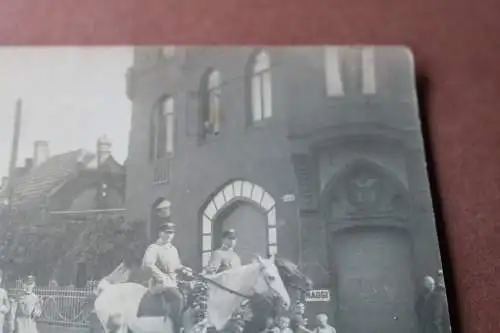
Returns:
(217, 284)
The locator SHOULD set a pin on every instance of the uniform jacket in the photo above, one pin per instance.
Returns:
(163, 262)
(223, 259)
(327, 329)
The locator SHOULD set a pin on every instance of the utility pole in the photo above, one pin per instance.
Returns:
(13, 155)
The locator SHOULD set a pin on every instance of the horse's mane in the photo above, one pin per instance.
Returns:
(282, 262)
(285, 264)
(288, 269)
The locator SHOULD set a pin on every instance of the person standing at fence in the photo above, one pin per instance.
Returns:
(4, 304)
(27, 308)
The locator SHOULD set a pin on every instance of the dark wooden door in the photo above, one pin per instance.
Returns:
(373, 269)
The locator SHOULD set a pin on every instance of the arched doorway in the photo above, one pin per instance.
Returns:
(247, 208)
(160, 212)
(371, 249)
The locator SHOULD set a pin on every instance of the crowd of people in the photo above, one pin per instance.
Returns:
(18, 313)
(284, 324)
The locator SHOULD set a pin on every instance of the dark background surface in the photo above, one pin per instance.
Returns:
(457, 54)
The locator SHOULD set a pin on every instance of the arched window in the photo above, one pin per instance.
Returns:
(160, 212)
(162, 129)
(261, 94)
(368, 68)
(211, 102)
(333, 72)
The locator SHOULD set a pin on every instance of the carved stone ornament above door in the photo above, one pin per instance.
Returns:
(362, 190)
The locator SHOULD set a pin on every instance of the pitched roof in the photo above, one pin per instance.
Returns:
(42, 180)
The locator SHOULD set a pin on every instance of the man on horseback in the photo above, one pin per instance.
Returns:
(163, 262)
(225, 257)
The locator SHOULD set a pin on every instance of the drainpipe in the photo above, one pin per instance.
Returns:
(299, 223)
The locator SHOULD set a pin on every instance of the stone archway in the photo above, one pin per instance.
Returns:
(370, 249)
(235, 193)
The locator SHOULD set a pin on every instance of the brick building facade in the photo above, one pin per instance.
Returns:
(313, 153)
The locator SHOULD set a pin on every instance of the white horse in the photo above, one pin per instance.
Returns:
(117, 305)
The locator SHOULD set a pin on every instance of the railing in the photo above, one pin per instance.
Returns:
(63, 306)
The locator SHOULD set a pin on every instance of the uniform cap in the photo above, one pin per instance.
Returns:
(169, 226)
(230, 233)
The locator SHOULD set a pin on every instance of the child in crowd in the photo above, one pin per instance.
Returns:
(323, 326)
(270, 326)
(284, 325)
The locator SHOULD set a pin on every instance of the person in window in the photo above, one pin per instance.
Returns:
(225, 257)
(27, 308)
(4, 304)
(162, 261)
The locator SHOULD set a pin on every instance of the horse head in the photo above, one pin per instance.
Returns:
(269, 282)
(291, 275)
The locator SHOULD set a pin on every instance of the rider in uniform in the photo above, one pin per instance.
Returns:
(163, 262)
(225, 257)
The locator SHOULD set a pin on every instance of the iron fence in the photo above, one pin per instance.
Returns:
(63, 306)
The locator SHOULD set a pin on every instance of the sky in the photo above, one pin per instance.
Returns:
(70, 97)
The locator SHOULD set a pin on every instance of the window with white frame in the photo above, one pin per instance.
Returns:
(333, 72)
(212, 112)
(261, 92)
(162, 129)
(168, 114)
(368, 68)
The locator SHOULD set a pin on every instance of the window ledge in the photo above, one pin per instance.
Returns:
(260, 123)
(208, 138)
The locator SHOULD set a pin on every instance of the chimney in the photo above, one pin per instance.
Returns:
(5, 182)
(41, 152)
(103, 149)
(28, 164)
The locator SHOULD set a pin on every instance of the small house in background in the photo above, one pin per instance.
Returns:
(55, 199)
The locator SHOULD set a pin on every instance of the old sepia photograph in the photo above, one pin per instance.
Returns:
(203, 189)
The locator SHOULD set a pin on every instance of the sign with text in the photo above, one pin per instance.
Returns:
(318, 295)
